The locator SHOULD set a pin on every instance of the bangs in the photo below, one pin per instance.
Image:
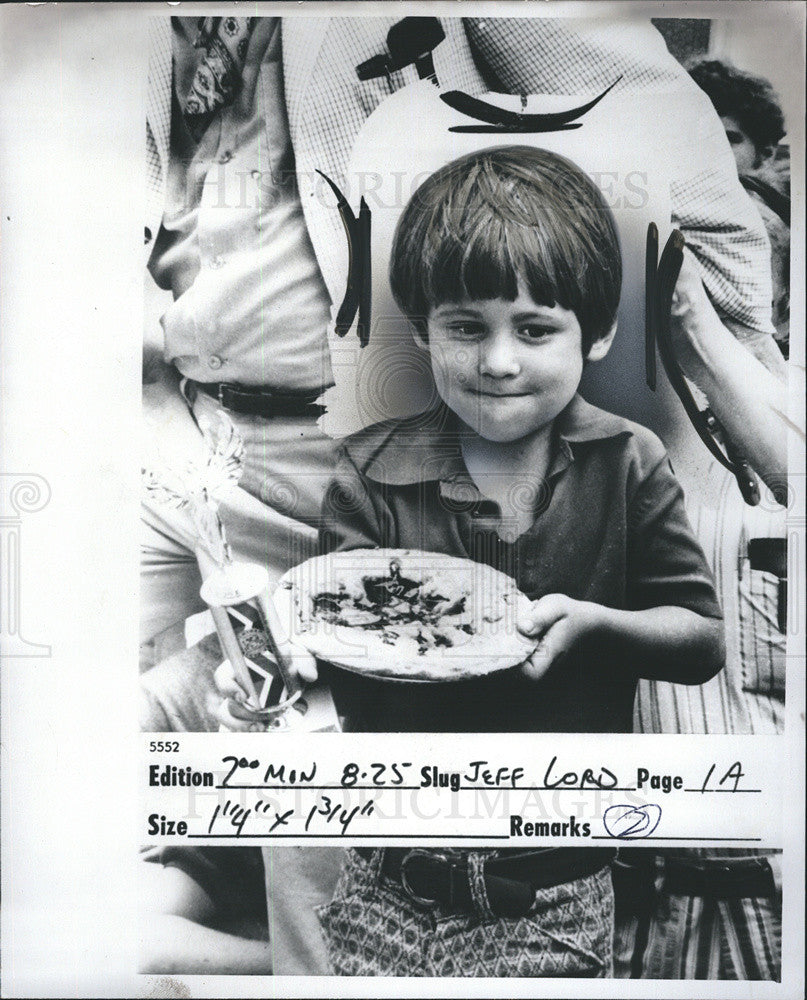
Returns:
(484, 224)
(487, 258)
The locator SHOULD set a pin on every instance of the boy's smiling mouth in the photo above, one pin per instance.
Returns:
(499, 395)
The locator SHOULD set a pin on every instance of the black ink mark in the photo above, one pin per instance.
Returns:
(735, 772)
(236, 763)
(334, 812)
(237, 815)
(281, 820)
(498, 119)
(605, 779)
(631, 821)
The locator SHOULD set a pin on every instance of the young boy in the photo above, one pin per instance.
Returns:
(507, 263)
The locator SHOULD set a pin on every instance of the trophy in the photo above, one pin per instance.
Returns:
(237, 593)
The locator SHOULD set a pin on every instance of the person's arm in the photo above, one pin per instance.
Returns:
(747, 397)
(173, 945)
(670, 627)
(673, 644)
(352, 517)
(176, 932)
(707, 201)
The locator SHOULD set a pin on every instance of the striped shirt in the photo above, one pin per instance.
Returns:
(693, 937)
(702, 937)
(748, 696)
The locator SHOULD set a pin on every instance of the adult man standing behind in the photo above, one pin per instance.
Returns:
(247, 327)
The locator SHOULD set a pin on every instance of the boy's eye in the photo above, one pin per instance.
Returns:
(466, 330)
(532, 331)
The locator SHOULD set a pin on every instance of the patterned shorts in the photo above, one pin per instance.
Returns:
(371, 928)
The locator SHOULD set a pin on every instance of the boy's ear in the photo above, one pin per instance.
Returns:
(602, 345)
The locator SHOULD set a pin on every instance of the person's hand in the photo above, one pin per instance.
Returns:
(695, 325)
(234, 713)
(171, 437)
(558, 622)
(741, 374)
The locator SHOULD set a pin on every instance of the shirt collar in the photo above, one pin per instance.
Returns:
(427, 448)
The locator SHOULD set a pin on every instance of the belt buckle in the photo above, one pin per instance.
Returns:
(423, 901)
(220, 393)
(746, 877)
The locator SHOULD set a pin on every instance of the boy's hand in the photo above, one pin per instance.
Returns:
(559, 622)
(234, 713)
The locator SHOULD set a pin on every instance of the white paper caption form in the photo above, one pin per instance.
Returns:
(518, 790)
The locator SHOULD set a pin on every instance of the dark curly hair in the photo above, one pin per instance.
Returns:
(748, 98)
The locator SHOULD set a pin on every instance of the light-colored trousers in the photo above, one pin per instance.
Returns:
(271, 517)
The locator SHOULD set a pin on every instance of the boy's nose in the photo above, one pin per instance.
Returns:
(498, 357)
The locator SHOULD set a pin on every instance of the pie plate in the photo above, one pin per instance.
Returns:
(459, 625)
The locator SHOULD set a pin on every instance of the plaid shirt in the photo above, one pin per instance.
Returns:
(327, 107)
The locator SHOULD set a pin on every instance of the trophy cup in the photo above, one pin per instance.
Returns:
(237, 593)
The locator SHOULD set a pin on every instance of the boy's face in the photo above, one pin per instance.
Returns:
(507, 369)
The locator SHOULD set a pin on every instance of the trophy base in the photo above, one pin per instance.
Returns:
(279, 708)
(234, 584)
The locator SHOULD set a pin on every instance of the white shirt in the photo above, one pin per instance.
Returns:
(250, 303)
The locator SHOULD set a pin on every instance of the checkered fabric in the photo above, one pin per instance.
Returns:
(372, 929)
(158, 119)
(731, 258)
(327, 106)
(571, 56)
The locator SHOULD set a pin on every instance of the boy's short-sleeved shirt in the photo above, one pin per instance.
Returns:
(609, 527)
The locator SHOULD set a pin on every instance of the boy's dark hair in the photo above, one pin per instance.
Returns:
(748, 98)
(481, 222)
